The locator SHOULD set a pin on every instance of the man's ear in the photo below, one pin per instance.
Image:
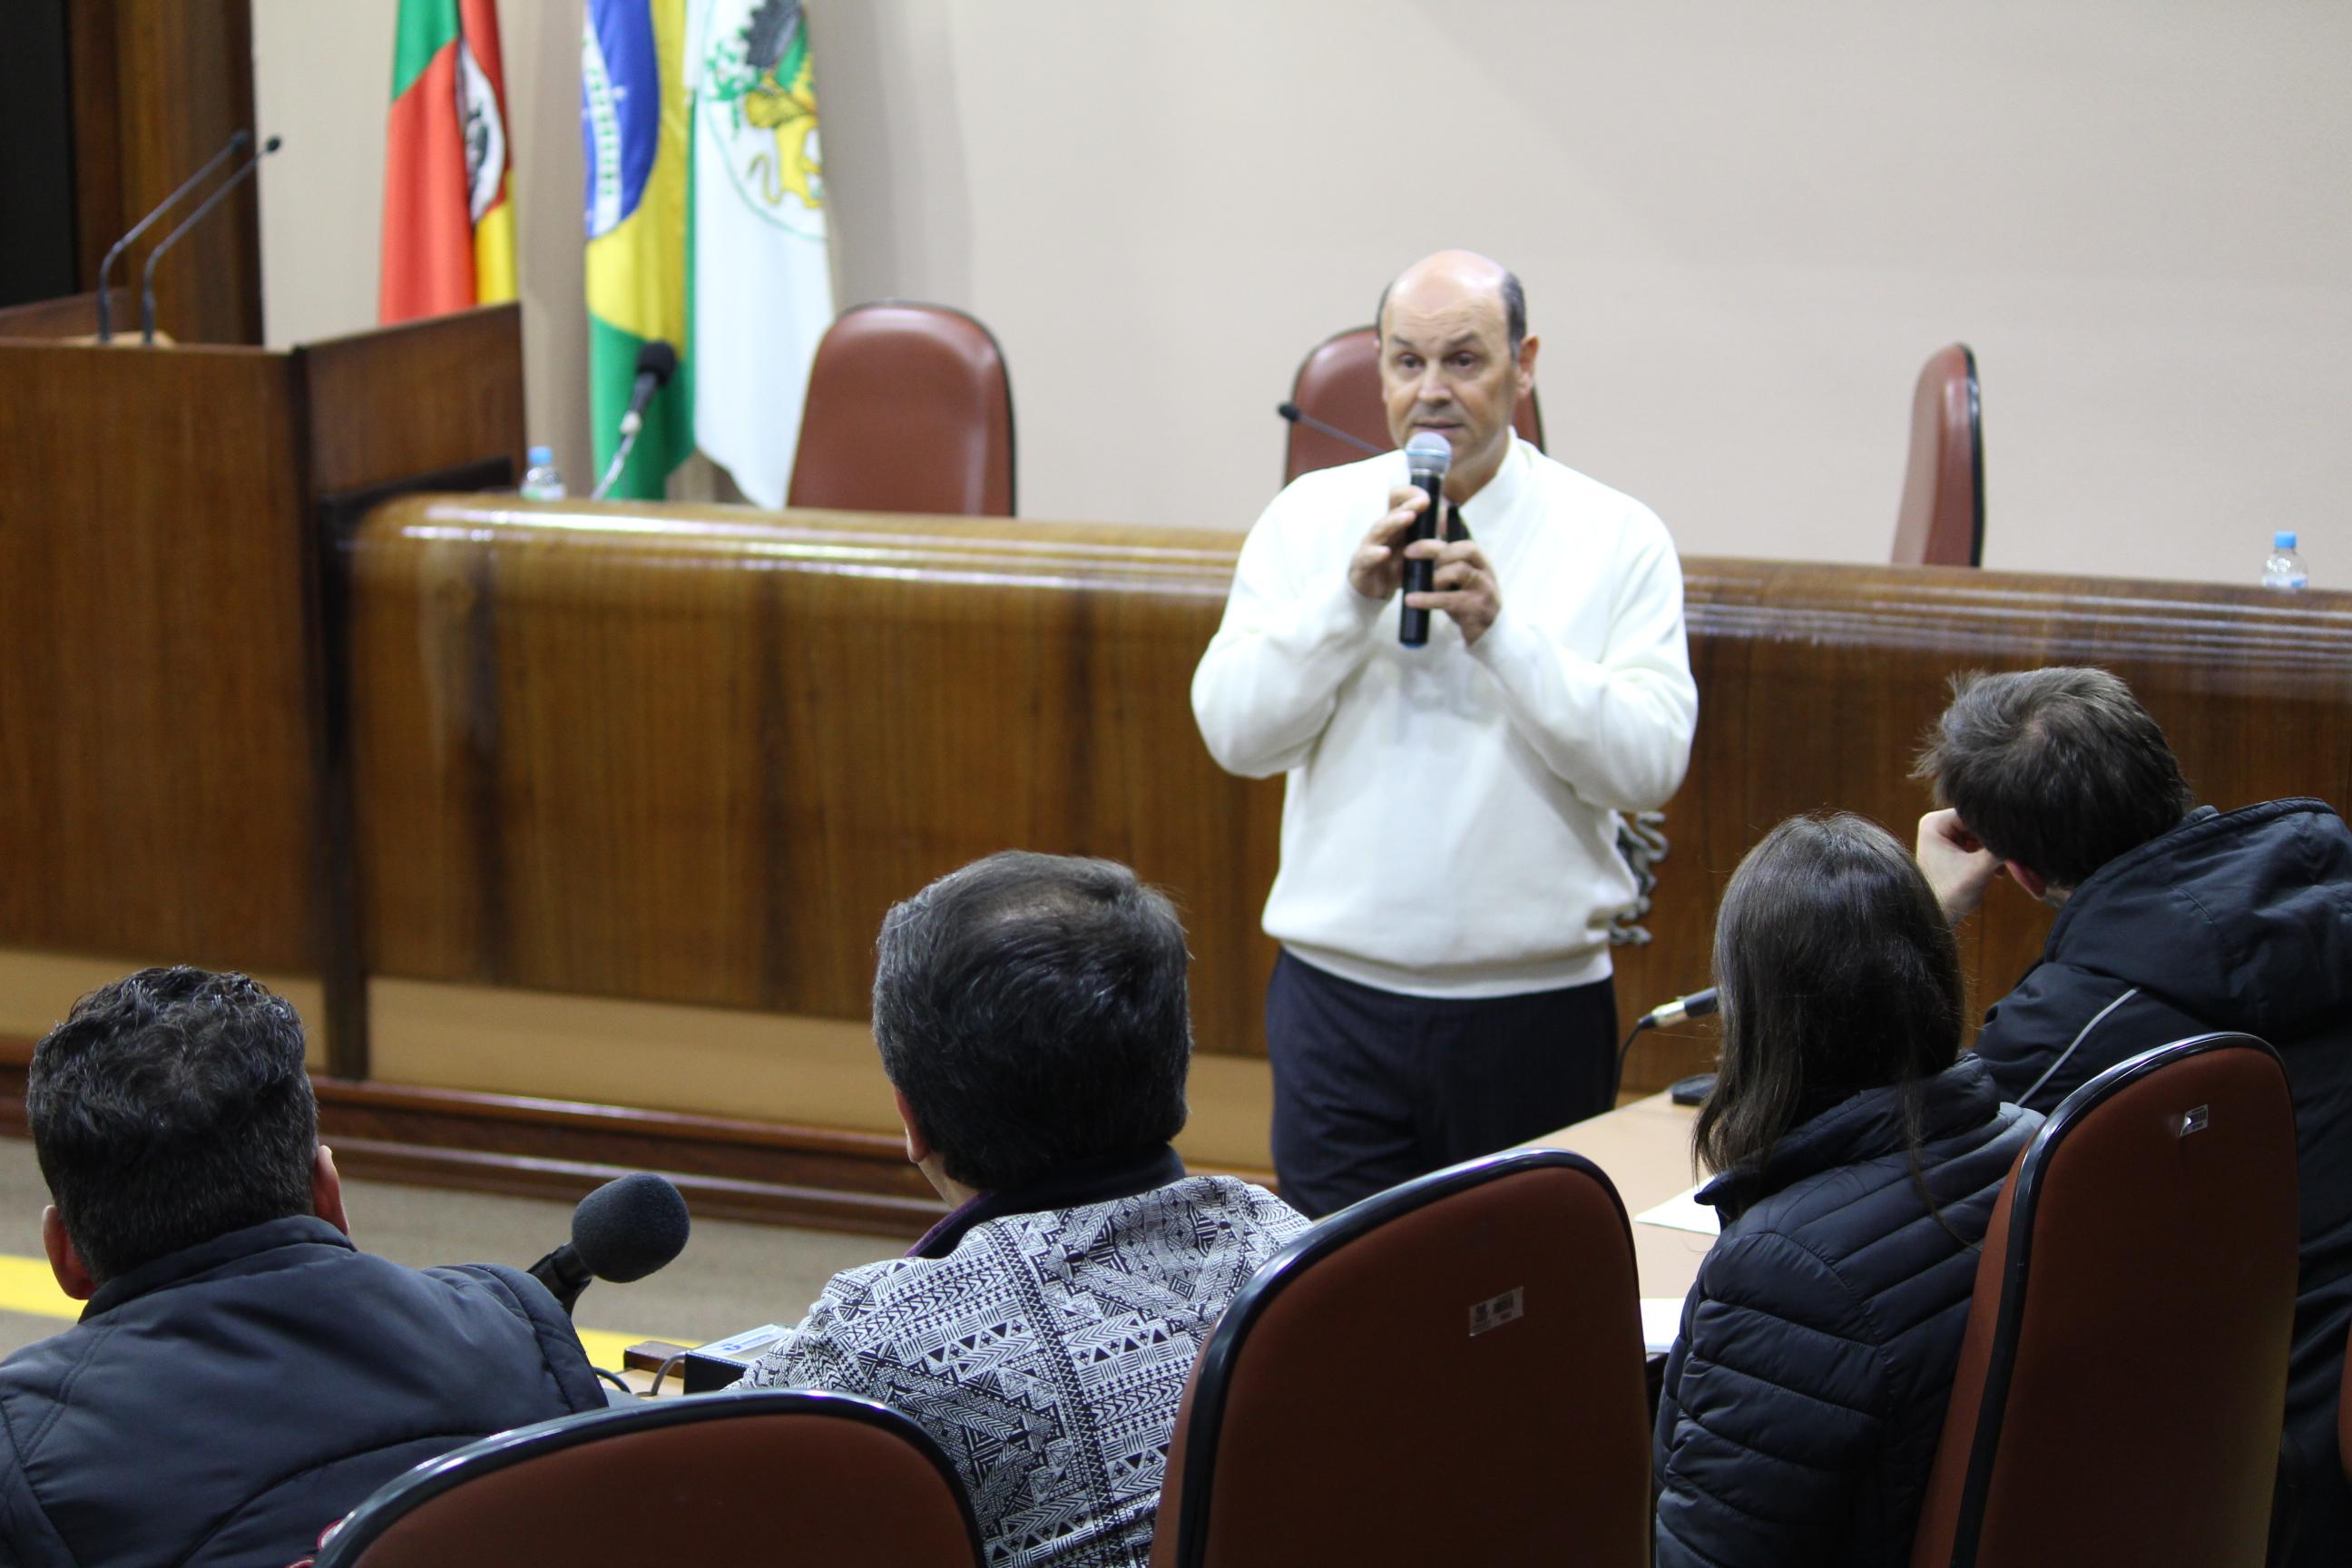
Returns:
(327, 1189)
(1528, 347)
(918, 1148)
(65, 1260)
(2035, 883)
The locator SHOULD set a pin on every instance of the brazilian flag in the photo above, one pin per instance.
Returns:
(635, 119)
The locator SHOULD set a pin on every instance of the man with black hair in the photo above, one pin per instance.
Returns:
(1031, 1012)
(2173, 920)
(242, 1376)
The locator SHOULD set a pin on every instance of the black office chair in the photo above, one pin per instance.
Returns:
(782, 1476)
(2123, 1379)
(1448, 1372)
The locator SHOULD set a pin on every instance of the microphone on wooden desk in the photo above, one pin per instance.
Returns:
(220, 192)
(1681, 1010)
(237, 142)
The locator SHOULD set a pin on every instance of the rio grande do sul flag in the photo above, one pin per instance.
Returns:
(761, 280)
(706, 229)
(449, 206)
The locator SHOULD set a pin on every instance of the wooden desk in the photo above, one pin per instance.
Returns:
(1644, 1149)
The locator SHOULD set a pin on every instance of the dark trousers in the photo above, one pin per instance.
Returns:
(1372, 1088)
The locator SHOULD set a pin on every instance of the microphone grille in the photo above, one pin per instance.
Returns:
(630, 1226)
(1428, 453)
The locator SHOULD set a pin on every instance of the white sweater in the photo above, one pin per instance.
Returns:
(1449, 822)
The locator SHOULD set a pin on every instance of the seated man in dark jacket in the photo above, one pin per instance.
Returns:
(242, 1376)
(1031, 1013)
(2173, 920)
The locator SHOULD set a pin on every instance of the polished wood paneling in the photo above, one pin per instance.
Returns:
(155, 742)
(1818, 683)
(459, 382)
(694, 759)
(165, 755)
(158, 87)
(692, 753)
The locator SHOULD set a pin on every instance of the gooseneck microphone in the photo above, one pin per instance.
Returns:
(623, 1231)
(1297, 415)
(237, 143)
(147, 281)
(657, 363)
(1426, 458)
(1681, 1010)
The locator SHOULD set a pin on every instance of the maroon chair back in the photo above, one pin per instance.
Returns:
(910, 409)
(2121, 1385)
(769, 1476)
(1339, 384)
(1449, 1372)
(1941, 523)
(2344, 1415)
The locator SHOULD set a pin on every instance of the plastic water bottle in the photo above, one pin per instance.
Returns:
(2285, 568)
(544, 482)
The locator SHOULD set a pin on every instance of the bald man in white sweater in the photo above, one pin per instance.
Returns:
(1449, 859)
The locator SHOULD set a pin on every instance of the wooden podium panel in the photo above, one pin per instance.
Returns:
(158, 796)
(168, 781)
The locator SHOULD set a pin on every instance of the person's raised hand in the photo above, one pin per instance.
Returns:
(1956, 864)
(1377, 568)
(1463, 586)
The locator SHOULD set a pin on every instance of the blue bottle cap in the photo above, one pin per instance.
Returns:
(541, 456)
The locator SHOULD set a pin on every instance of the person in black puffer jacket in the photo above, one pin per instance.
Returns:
(2174, 920)
(1859, 1163)
(242, 1376)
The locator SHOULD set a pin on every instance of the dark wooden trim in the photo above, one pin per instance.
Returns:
(731, 1169)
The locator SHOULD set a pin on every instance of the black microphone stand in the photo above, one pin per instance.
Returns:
(235, 144)
(147, 281)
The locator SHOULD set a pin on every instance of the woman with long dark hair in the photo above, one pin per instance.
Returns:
(1857, 1157)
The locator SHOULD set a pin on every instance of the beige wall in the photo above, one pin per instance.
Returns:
(1741, 230)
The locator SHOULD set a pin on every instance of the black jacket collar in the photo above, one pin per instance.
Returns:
(221, 1252)
(1073, 1187)
(1866, 1126)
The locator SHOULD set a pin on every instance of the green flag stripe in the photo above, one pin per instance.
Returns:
(425, 27)
(668, 435)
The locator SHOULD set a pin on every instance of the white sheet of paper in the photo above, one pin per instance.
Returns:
(1662, 1319)
(1682, 1212)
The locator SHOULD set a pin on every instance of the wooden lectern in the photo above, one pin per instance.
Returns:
(170, 783)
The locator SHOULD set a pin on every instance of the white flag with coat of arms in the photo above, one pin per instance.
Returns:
(762, 274)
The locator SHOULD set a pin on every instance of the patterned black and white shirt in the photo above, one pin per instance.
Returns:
(1046, 1351)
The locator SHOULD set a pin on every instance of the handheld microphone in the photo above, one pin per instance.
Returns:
(237, 143)
(623, 1230)
(1426, 458)
(1297, 415)
(657, 363)
(147, 281)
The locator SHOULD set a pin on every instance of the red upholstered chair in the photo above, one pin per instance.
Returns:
(769, 1476)
(1942, 519)
(1448, 1372)
(1339, 384)
(2123, 1382)
(910, 409)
